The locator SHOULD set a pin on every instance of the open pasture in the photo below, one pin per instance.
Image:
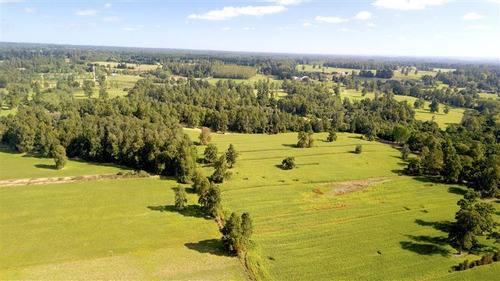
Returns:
(340, 215)
(135, 67)
(108, 230)
(21, 166)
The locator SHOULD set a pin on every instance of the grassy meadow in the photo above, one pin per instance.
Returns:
(22, 166)
(341, 215)
(108, 230)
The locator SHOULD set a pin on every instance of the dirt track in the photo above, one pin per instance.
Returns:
(51, 180)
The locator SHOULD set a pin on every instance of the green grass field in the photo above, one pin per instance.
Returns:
(255, 78)
(394, 229)
(21, 166)
(453, 117)
(104, 230)
(141, 67)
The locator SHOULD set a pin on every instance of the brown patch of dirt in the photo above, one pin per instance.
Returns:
(40, 181)
(318, 191)
(344, 187)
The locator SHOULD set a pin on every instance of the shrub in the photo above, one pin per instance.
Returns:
(288, 163)
(359, 149)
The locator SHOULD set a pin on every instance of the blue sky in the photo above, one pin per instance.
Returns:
(449, 28)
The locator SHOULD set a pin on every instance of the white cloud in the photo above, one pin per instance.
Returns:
(111, 19)
(473, 16)
(330, 19)
(11, 1)
(478, 27)
(136, 28)
(86, 13)
(364, 15)
(287, 2)
(345, 30)
(30, 10)
(248, 28)
(226, 28)
(370, 24)
(406, 5)
(107, 5)
(232, 12)
(307, 24)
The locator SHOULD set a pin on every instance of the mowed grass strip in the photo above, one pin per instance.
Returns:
(105, 230)
(392, 228)
(21, 166)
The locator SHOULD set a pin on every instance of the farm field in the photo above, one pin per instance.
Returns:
(255, 78)
(140, 67)
(341, 215)
(453, 117)
(104, 230)
(21, 166)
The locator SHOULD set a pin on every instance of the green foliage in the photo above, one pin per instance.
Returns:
(473, 218)
(400, 134)
(434, 106)
(451, 164)
(432, 161)
(221, 170)
(210, 154)
(236, 233)
(414, 167)
(211, 203)
(59, 154)
(332, 136)
(305, 140)
(358, 149)
(405, 152)
(288, 163)
(180, 198)
(231, 156)
(205, 136)
(88, 88)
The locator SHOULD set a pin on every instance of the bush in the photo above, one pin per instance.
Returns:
(359, 149)
(288, 163)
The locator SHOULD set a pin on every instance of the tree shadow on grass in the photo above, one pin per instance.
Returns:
(424, 249)
(290, 145)
(210, 246)
(439, 240)
(45, 166)
(457, 190)
(189, 211)
(429, 179)
(444, 226)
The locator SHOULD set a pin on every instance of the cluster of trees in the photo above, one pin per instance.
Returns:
(474, 218)
(305, 139)
(137, 133)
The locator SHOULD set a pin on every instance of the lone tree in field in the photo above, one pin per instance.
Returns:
(205, 136)
(210, 154)
(231, 156)
(473, 218)
(88, 88)
(288, 163)
(59, 154)
(359, 149)
(332, 136)
(221, 171)
(180, 198)
(434, 106)
(305, 140)
(236, 233)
